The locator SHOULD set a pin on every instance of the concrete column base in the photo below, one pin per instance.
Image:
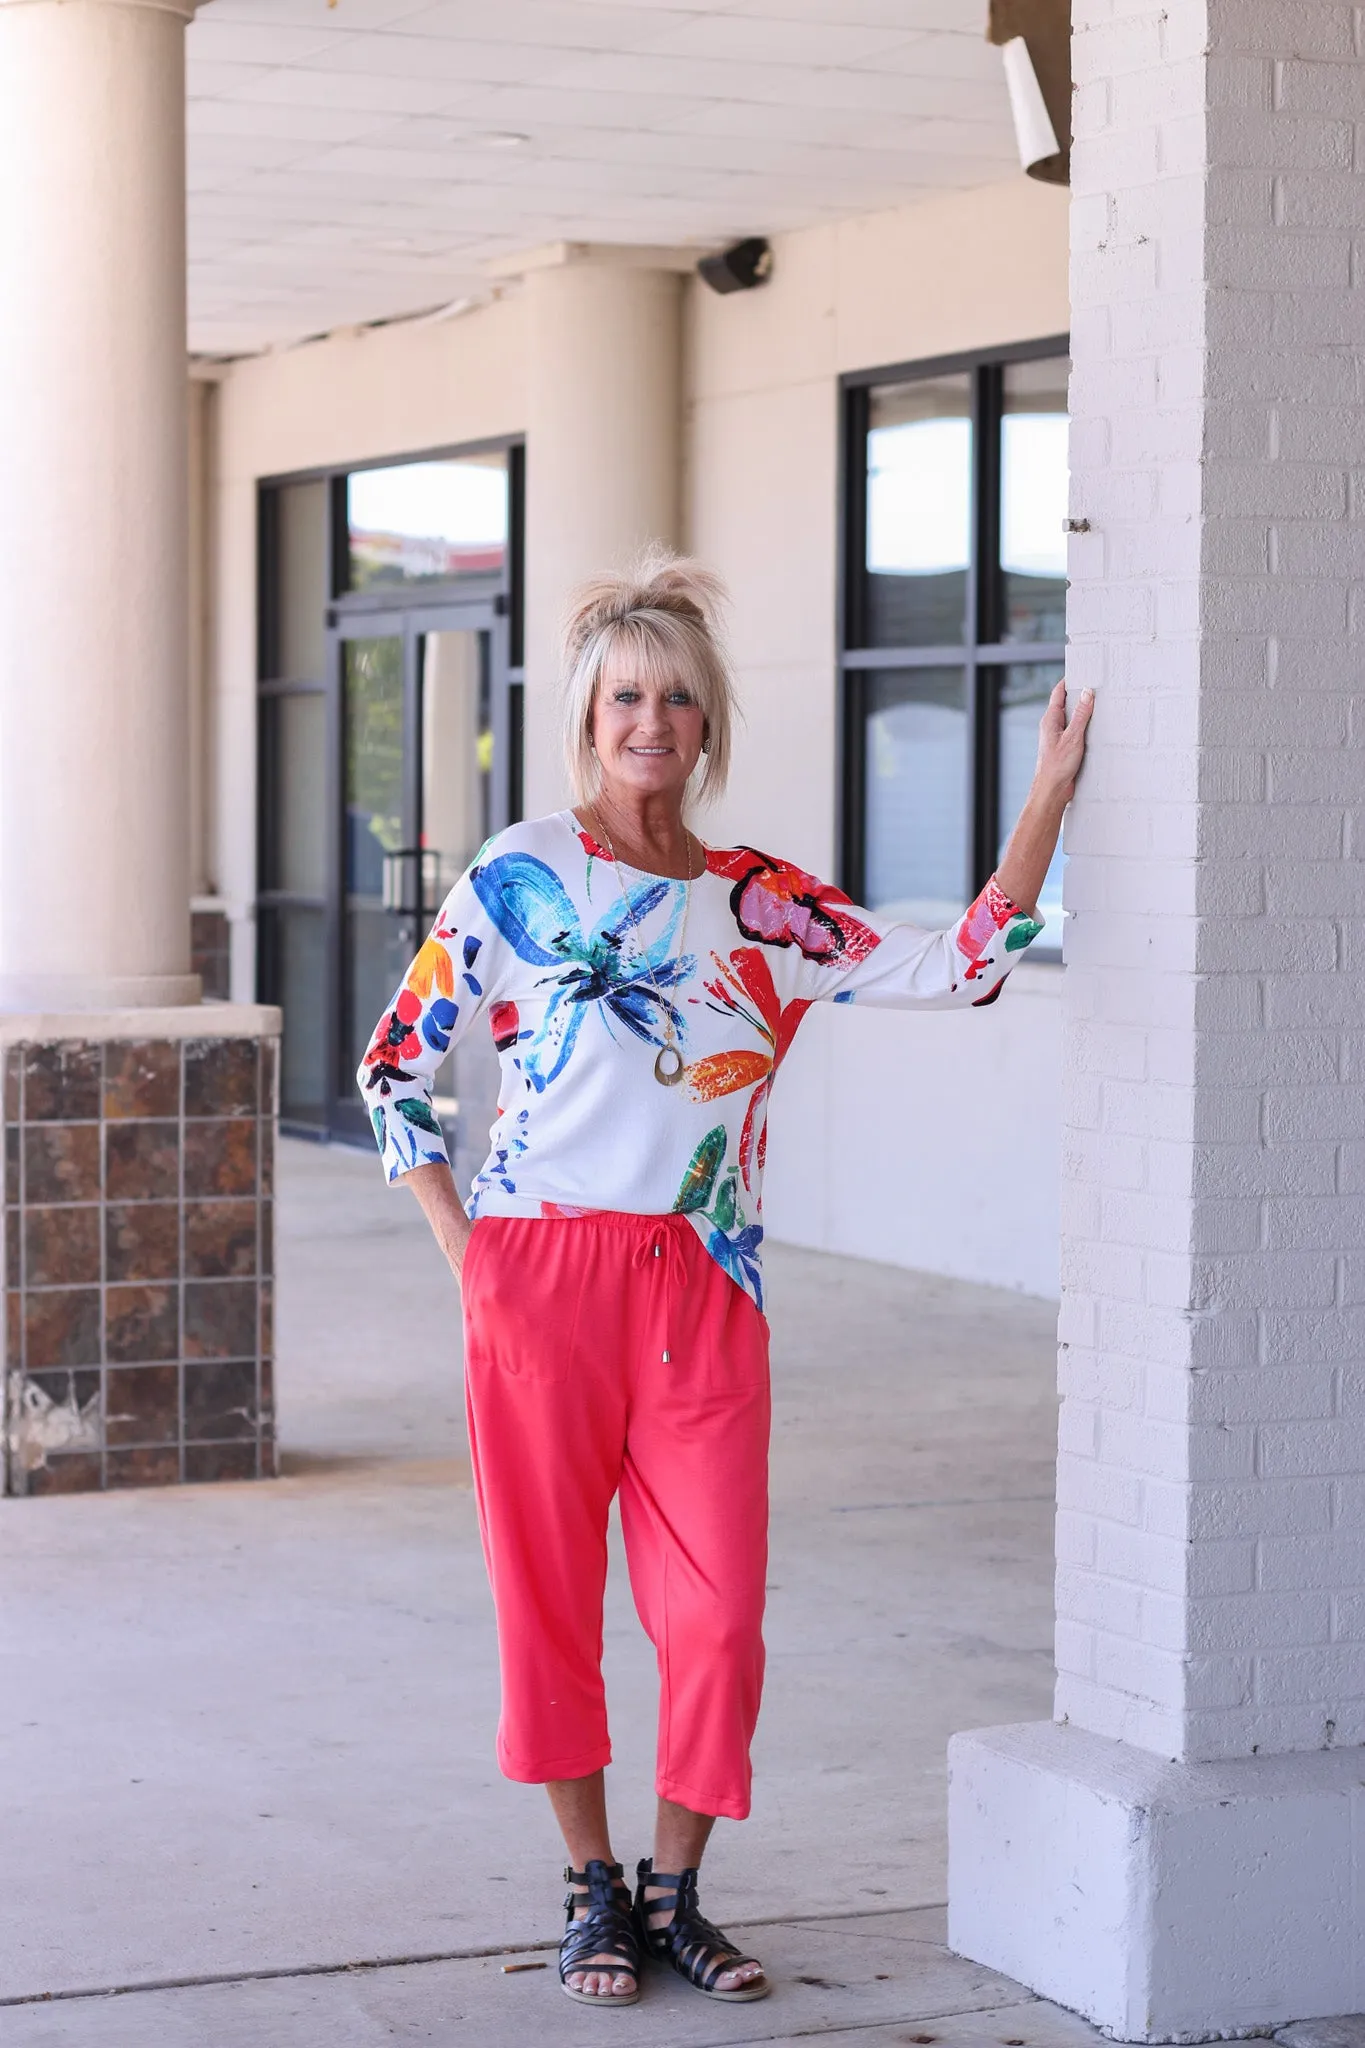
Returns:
(138, 1211)
(1165, 1902)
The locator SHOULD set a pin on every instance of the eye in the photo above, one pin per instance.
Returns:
(679, 697)
(625, 694)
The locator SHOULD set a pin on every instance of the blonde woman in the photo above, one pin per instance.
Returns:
(642, 988)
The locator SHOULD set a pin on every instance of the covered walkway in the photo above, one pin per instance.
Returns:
(252, 1724)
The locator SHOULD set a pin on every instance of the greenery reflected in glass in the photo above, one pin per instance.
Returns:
(374, 760)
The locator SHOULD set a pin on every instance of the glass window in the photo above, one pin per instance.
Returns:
(294, 769)
(426, 522)
(301, 591)
(373, 682)
(293, 971)
(957, 612)
(919, 512)
(1023, 693)
(916, 767)
(457, 758)
(1033, 501)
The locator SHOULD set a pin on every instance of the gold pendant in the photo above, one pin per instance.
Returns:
(668, 1076)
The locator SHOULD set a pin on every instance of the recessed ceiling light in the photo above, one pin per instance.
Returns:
(500, 138)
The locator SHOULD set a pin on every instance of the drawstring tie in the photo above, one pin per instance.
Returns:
(661, 1250)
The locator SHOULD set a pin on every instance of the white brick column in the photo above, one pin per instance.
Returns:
(1179, 1853)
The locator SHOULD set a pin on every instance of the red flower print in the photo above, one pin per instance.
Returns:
(987, 917)
(505, 1023)
(744, 987)
(782, 905)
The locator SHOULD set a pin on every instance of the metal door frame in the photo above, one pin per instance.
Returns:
(408, 616)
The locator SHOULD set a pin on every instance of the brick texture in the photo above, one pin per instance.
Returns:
(1211, 1569)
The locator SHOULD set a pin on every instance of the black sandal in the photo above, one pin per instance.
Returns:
(606, 1929)
(689, 1943)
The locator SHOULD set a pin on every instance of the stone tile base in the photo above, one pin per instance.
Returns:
(138, 1259)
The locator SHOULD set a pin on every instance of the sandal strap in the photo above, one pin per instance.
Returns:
(695, 1948)
(606, 1928)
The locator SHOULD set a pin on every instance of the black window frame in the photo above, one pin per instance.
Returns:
(981, 654)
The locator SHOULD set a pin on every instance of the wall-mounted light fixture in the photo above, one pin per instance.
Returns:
(1035, 44)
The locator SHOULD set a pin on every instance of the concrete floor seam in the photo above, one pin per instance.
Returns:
(375, 1963)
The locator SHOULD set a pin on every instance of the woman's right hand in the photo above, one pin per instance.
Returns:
(434, 1187)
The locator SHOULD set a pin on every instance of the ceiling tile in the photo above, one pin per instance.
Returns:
(290, 87)
(759, 39)
(301, 124)
(340, 169)
(243, 42)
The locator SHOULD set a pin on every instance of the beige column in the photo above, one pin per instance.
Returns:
(94, 841)
(603, 446)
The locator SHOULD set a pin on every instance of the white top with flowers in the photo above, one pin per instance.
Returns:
(580, 973)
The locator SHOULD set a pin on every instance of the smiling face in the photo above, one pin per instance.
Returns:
(647, 734)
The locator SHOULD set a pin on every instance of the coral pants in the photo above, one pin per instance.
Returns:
(610, 1354)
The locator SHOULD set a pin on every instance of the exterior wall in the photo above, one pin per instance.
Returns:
(379, 391)
(931, 1173)
(952, 1165)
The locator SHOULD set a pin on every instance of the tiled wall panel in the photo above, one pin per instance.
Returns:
(138, 1262)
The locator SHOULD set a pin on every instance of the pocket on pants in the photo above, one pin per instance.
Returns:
(737, 1351)
(523, 1311)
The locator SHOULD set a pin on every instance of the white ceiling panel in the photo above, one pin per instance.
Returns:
(362, 161)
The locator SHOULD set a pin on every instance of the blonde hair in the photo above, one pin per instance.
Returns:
(661, 620)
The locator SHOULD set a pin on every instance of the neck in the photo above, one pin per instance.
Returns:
(645, 831)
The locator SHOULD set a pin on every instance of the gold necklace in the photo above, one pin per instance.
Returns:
(669, 1065)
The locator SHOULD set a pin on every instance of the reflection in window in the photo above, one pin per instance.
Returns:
(293, 796)
(1033, 501)
(425, 522)
(457, 758)
(293, 941)
(919, 512)
(1023, 693)
(301, 591)
(374, 760)
(916, 773)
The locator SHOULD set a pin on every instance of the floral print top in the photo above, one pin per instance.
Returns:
(577, 975)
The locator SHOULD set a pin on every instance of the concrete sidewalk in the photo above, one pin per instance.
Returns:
(250, 1727)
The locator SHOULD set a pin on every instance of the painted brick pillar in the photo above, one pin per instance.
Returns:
(1178, 1854)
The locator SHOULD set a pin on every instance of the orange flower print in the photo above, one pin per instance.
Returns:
(744, 988)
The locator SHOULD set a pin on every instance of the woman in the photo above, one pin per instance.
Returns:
(642, 988)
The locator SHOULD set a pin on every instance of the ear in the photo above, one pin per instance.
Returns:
(706, 736)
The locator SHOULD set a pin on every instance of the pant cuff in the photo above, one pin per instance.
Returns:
(722, 1805)
(537, 1773)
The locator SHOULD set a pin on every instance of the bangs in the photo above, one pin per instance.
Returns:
(659, 651)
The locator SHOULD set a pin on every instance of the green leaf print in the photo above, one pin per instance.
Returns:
(418, 1112)
(700, 1176)
(723, 1215)
(1021, 932)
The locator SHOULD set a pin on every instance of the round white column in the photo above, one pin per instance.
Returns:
(94, 842)
(603, 446)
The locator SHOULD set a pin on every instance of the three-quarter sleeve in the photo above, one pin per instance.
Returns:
(906, 967)
(447, 986)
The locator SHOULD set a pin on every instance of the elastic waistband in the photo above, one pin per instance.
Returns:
(608, 1219)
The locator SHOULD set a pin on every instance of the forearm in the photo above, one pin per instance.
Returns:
(434, 1187)
(1028, 853)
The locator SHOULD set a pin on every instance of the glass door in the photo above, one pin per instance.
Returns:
(425, 739)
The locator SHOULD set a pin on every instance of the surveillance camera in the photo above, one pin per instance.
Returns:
(738, 268)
